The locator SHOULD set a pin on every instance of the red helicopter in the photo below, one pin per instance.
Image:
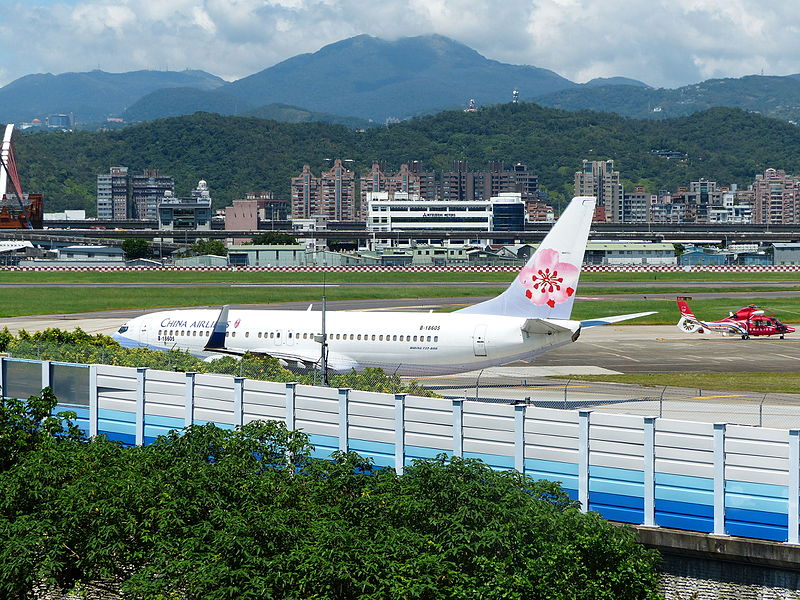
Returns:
(746, 322)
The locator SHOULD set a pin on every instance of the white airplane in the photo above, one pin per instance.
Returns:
(527, 319)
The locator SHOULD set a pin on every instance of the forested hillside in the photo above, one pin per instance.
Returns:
(236, 155)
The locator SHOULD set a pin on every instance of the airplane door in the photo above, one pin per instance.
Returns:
(143, 332)
(479, 340)
(290, 335)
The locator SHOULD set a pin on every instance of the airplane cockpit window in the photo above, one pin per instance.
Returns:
(122, 329)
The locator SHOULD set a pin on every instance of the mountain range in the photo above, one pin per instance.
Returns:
(363, 81)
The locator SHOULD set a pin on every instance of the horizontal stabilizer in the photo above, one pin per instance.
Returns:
(543, 327)
(614, 319)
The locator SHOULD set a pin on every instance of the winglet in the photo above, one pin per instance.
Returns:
(217, 338)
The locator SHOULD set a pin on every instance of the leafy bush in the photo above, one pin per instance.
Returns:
(247, 513)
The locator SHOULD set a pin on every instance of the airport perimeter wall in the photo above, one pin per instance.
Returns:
(703, 477)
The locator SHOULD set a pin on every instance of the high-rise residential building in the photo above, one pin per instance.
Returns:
(636, 205)
(599, 179)
(376, 180)
(113, 193)
(121, 195)
(497, 179)
(776, 197)
(147, 191)
(330, 195)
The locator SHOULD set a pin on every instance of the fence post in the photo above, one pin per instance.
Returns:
(519, 437)
(141, 378)
(290, 394)
(458, 427)
(238, 401)
(45, 374)
(399, 433)
(188, 400)
(94, 412)
(649, 430)
(794, 486)
(719, 479)
(344, 419)
(583, 459)
(3, 376)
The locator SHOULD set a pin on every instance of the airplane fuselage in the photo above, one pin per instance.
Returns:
(400, 342)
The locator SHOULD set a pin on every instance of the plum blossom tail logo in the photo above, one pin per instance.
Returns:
(547, 280)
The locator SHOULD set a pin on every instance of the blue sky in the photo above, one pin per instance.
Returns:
(663, 43)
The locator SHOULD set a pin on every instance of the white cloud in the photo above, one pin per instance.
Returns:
(662, 42)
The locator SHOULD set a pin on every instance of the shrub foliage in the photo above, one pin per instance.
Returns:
(249, 514)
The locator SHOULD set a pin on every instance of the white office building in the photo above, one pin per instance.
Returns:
(408, 213)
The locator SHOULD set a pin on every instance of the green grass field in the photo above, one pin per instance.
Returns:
(43, 299)
(188, 277)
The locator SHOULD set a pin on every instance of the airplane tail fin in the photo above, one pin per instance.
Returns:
(688, 322)
(684, 307)
(545, 287)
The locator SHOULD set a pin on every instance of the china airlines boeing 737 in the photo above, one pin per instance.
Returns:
(527, 319)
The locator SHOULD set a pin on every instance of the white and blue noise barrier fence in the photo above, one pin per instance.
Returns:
(714, 478)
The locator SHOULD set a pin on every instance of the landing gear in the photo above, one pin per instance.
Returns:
(745, 337)
(781, 336)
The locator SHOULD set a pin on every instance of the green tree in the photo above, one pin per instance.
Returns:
(135, 248)
(213, 247)
(248, 513)
(25, 424)
(273, 238)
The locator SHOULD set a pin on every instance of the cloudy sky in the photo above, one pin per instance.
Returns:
(665, 43)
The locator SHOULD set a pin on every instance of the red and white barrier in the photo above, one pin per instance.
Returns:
(438, 269)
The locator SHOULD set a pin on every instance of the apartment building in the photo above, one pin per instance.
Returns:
(599, 179)
(331, 195)
(776, 197)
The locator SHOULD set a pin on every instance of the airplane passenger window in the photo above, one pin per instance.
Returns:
(278, 335)
(246, 334)
(227, 334)
(415, 338)
(401, 338)
(358, 337)
(436, 338)
(194, 333)
(394, 338)
(208, 333)
(429, 339)
(373, 337)
(380, 338)
(233, 334)
(259, 334)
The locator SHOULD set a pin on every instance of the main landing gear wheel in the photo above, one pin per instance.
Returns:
(745, 337)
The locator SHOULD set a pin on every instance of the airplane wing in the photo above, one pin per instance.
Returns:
(614, 319)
